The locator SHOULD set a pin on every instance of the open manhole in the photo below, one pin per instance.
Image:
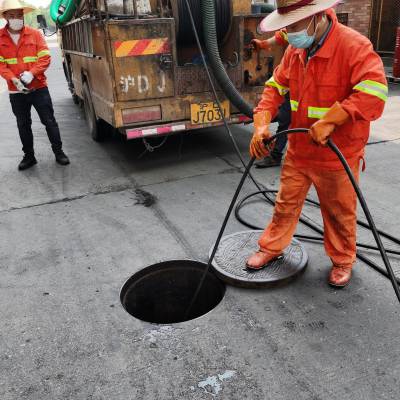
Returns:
(162, 293)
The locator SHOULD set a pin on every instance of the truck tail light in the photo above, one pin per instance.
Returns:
(142, 114)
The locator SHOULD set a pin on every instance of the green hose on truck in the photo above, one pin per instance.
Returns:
(62, 11)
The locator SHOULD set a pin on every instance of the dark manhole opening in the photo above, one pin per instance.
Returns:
(162, 293)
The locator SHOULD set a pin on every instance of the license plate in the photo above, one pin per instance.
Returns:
(204, 113)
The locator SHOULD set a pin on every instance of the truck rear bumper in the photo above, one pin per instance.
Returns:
(170, 128)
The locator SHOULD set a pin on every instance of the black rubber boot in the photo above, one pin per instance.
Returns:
(61, 158)
(269, 161)
(28, 161)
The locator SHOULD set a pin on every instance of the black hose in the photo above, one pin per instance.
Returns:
(334, 148)
(239, 217)
(185, 35)
(214, 58)
(368, 215)
(221, 232)
(215, 94)
(363, 203)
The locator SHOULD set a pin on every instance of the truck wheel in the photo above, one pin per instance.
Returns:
(96, 128)
(76, 99)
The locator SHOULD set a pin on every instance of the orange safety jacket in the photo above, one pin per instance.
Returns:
(30, 54)
(345, 69)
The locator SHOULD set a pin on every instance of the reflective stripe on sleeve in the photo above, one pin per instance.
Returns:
(29, 59)
(281, 89)
(294, 105)
(43, 53)
(317, 112)
(10, 61)
(373, 88)
(2, 59)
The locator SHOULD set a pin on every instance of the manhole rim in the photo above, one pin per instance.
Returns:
(125, 286)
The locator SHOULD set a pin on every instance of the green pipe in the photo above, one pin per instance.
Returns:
(62, 11)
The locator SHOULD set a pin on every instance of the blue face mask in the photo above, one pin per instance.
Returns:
(301, 39)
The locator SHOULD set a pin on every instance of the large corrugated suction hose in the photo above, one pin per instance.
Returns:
(214, 58)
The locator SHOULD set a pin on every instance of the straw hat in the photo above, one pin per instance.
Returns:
(290, 11)
(7, 5)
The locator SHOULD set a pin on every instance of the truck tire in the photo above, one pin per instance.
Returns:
(96, 127)
(76, 99)
(68, 76)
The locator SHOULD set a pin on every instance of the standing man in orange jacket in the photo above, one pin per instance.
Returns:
(24, 57)
(337, 86)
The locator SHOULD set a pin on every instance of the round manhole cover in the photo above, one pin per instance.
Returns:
(234, 250)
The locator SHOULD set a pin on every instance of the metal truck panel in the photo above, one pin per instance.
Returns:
(142, 58)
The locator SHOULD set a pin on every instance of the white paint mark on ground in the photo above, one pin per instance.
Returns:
(214, 383)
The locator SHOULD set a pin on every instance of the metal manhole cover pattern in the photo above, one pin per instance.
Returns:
(234, 250)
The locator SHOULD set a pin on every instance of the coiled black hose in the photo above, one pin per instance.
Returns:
(185, 35)
(214, 58)
(244, 222)
(371, 223)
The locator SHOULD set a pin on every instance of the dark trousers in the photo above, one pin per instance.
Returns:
(283, 118)
(21, 105)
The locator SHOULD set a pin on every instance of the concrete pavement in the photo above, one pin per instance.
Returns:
(71, 236)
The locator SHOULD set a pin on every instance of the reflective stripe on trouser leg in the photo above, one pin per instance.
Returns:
(293, 190)
(339, 211)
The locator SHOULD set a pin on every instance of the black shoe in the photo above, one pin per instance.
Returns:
(28, 161)
(269, 161)
(61, 158)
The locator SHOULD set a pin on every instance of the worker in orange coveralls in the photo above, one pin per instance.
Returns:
(337, 85)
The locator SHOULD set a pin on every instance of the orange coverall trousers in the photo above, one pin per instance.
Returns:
(338, 206)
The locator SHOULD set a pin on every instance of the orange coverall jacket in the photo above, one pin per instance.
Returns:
(345, 69)
(31, 54)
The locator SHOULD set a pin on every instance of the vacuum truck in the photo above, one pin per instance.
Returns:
(135, 64)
